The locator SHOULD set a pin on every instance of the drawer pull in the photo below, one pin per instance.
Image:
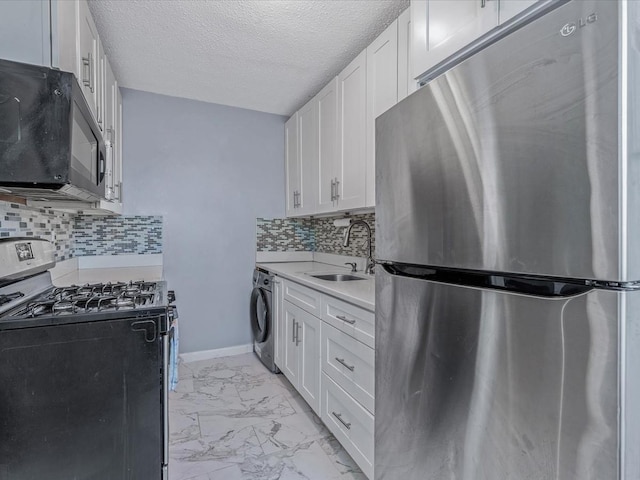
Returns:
(341, 361)
(339, 417)
(345, 319)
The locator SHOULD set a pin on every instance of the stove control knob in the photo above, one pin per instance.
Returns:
(171, 296)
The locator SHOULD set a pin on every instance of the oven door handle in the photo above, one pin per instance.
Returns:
(165, 399)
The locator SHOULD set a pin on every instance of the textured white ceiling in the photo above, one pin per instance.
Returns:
(266, 55)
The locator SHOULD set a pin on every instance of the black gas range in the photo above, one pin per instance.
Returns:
(84, 372)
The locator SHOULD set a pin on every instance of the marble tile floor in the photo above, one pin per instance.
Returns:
(232, 419)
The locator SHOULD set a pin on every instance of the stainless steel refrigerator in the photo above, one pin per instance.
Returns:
(508, 232)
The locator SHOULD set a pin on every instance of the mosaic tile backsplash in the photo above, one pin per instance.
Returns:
(83, 235)
(285, 235)
(313, 235)
(117, 235)
(20, 221)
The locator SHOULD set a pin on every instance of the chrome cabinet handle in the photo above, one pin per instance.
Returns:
(483, 3)
(344, 364)
(333, 194)
(293, 330)
(339, 417)
(92, 73)
(86, 63)
(298, 334)
(345, 319)
(337, 189)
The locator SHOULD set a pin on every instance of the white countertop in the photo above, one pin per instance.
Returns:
(359, 292)
(115, 274)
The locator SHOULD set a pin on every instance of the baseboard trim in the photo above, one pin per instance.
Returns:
(216, 353)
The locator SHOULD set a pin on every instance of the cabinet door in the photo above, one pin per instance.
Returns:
(117, 148)
(309, 361)
(406, 83)
(25, 31)
(110, 114)
(442, 27)
(64, 41)
(382, 94)
(327, 101)
(278, 323)
(308, 141)
(88, 56)
(352, 119)
(291, 337)
(292, 164)
(101, 87)
(510, 8)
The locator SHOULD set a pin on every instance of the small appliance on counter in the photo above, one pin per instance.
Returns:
(262, 321)
(85, 372)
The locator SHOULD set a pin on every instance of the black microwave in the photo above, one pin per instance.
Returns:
(50, 145)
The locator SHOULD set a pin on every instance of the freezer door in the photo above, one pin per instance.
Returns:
(476, 384)
(510, 160)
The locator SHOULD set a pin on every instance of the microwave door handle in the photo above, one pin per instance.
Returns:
(102, 166)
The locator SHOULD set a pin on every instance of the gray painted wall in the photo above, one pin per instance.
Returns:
(209, 170)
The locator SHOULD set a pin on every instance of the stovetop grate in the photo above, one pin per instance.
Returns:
(95, 297)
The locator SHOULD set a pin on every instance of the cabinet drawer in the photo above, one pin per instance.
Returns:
(350, 422)
(352, 320)
(349, 363)
(303, 297)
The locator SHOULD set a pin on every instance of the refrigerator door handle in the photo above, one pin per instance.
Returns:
(539, 286)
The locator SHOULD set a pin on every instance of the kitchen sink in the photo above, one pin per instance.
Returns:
(336, 277)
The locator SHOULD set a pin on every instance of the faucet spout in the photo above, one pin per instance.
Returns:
(370, 262)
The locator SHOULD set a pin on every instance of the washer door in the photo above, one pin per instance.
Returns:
(259, 315)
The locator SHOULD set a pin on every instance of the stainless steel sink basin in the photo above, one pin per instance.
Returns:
(336, 277)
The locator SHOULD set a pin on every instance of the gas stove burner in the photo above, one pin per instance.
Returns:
(63, 306)
(9, 297)
(40, 308)
(125, 302)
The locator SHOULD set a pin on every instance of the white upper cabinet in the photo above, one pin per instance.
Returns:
(507, 9)
(442, 27)
(406, 83)
(117, 147)
(327, 101)
(382, 94)
(88, 57)
(110, 114)
(308, 162)
(65, 19)
(352, 118)
(25, 31)
(292, 165)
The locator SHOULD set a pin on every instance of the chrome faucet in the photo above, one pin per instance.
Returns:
(370, 263)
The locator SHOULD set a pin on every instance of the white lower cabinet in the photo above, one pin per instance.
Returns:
(324, 346)
(350, 422)
(352, 320)
(302, 352)
(349, 363)
(278, 326)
